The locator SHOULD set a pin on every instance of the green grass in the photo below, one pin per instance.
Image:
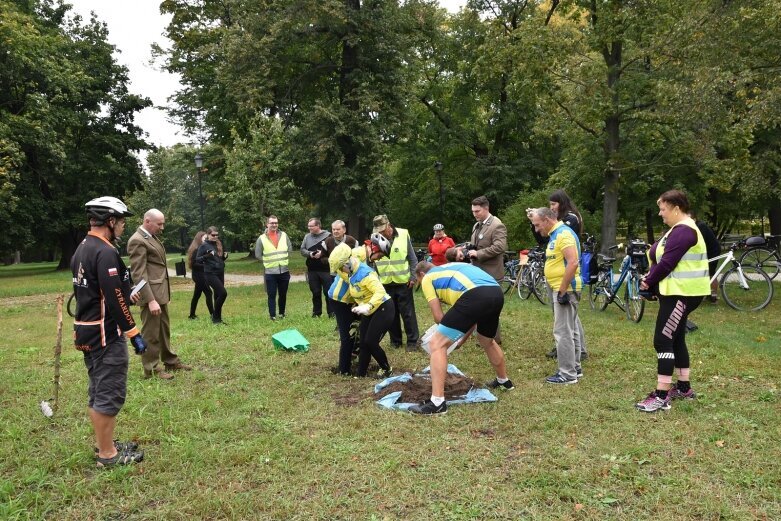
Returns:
(22, 280)
(253, 433)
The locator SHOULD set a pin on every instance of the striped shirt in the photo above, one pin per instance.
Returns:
(449, 281)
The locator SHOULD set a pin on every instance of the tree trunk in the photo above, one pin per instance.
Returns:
(69, 241)
(774, 216)
(649, 226)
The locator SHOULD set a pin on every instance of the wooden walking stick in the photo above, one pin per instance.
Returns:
(49, 409)
(57, 353)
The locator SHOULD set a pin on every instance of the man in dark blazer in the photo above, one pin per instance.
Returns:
(148, 262)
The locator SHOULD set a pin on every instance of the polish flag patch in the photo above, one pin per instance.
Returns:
(112, 272)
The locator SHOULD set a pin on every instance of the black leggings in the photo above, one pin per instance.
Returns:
(670, 334)
(201, 287)
(344, 319)
(220, 294)
(373, 328)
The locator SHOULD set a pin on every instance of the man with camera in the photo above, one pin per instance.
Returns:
(487, 245)
(102, 285)
(563, 275)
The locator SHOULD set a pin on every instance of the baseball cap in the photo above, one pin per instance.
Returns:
(380, 223)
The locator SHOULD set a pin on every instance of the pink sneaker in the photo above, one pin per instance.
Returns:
(653, 403)
(675, 394)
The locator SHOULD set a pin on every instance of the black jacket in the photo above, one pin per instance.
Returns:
(212, 261)
(102, 285)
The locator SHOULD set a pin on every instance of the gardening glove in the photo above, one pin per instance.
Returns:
(363, 309)
(139, 344)
(562, 299)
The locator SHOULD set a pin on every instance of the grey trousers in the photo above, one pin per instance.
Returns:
(567, 334)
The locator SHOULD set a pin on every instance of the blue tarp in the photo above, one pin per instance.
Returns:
(391, 400)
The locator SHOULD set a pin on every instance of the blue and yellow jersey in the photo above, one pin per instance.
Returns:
(366, 288)
(561, 237)
(449, 281)
(340, 289)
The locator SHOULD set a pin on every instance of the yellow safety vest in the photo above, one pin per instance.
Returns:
(690, 277)
(274, 256)
(394, 269)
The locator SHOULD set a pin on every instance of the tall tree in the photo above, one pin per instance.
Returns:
(66, 123)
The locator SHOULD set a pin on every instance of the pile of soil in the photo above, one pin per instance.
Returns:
(418, 389)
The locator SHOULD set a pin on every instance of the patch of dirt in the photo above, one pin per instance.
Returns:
(346, 400)
(418, 389)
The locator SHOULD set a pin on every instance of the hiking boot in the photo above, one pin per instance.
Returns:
(428, 408)
(123, 446)
(494, 384)
(559, 379)
(653, 403)
(123, 457)
(676, 394)
(158, 372)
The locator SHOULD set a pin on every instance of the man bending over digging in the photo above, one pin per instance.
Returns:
(475, 299)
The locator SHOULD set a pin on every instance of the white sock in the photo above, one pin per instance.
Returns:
(437, 400)
(501, 380)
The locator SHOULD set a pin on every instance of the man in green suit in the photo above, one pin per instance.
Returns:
(148, 262)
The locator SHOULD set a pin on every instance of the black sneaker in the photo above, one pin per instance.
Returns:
(428, 407)
(494, 384)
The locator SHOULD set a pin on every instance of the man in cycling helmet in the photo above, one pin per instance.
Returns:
(397, 273)
(103, 320)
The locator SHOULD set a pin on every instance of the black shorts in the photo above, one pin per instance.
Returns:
(107, 370)
(481, 306)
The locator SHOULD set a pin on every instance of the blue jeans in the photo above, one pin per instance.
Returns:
(277, 283)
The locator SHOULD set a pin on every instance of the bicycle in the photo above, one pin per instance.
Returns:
(744, 287)
(533, 278)
(509, 280)
(605, 289)
(763, 253)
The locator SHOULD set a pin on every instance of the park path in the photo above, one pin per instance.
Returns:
(241, 279)
(231, 280)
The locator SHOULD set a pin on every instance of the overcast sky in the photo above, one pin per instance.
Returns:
(133, 27)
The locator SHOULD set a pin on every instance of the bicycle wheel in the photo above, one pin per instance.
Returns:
(765, 259)
(635, 304)
(508, 281)
(525, 283)
(540, 287)
(599, 291)
(750, 292)
(71, 306)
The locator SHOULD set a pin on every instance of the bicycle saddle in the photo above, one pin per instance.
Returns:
(755, 241)
(605, 258)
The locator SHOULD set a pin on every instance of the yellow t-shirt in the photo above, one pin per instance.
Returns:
(561, 237)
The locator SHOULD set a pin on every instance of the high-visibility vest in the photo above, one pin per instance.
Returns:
(690, 277)
(274, 256)
(394, 269)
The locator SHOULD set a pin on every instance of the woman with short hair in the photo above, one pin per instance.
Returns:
(679, 275)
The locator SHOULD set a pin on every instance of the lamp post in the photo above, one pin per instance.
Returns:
(198, 167)
(438, 168)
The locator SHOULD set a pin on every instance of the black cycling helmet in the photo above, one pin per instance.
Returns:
(102, 208)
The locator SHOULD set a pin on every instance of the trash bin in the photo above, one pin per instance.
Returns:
(181, 268)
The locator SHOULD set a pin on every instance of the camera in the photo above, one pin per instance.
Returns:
(465, 248)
